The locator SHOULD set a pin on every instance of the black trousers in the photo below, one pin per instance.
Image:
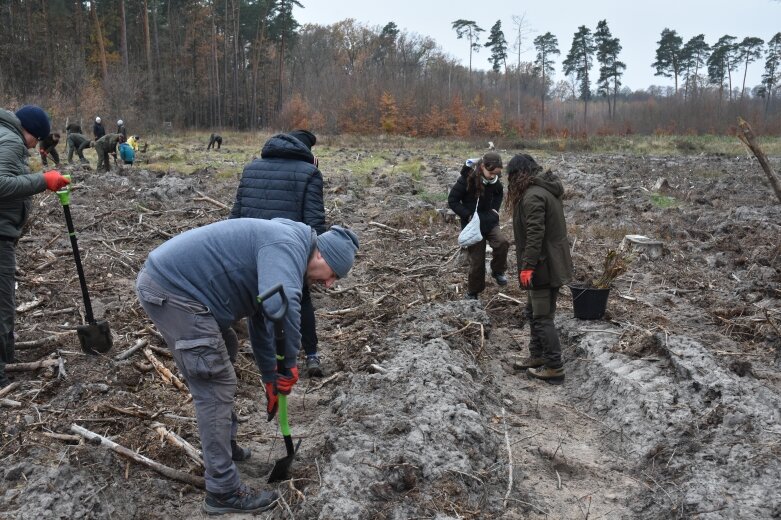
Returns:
(308, 325)
(539, 312)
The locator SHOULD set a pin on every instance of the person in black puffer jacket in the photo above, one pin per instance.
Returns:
(480, 179)
(286, 183)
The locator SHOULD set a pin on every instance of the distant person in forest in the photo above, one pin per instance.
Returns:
(285, 182)
(78, 143)
(479, 190)
(214, 139)
(97, 129)
(122, 129)
(73, 128)
(193, 291)
(48, 147)
(104, 146)
(127, 154)
(18, 133)
(542, 250)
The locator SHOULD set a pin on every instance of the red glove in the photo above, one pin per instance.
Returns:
(525, 277)
(272, 400)
(55, 180)
(285, 383)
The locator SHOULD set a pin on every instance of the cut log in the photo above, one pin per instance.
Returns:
(32, 365)
(662, 186)
(642, 245)
(169, 472)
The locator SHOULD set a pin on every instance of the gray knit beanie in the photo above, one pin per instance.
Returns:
(338, 247)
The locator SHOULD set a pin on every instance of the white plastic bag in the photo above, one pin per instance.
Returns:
(471, 235)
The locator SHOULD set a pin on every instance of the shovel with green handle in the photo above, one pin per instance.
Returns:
(281, 469)
(95, 336)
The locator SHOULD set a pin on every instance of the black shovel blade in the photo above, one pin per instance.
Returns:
(281, 470)
(95, 338)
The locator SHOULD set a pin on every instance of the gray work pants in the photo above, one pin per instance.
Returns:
(539, 312)
(7, 302)
(203, 358)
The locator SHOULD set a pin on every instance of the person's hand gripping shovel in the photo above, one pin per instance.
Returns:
(281, 469)
(95, 336)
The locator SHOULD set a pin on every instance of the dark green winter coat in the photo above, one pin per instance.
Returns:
(541, 232)
(17, 184)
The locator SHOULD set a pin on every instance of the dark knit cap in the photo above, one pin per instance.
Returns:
(305, 136)
(338, 247)
(34, 120)
(492, 160)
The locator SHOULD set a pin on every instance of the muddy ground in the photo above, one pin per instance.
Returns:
(670, 408)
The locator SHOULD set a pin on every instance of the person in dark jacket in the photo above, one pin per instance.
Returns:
(214, 139)
(18, 132)
(122, 129)
(97, 129)
(544, 262)
(73, 128)
(78, 143)
(480, 189)
(286, 183)
(47, 147)
(103, 147)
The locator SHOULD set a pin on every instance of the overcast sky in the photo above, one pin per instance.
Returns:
(637, 24)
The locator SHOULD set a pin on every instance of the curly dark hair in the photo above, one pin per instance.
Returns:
(520, 171)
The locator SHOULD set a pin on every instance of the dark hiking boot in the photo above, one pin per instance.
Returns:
(243, 500)
(471, 296)
(313, 366)
(4, 381)
(500, 278)
(554, 376)
(238, 453)
(529, 362)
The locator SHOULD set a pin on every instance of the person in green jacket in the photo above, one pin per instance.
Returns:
(18, 132)
(543, 255)
(104, 146)
(78, 143)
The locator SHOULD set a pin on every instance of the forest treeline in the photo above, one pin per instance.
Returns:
(244, 64)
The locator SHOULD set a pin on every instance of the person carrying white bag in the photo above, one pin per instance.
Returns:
(478, 194)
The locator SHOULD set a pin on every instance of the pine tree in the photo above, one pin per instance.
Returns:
(611, 69)
(749, 50)
(579, 61)
(498, 45)
(472, 32)
(547, 46)
(694, 56)
(718, 63)
(772, 76)
(668, 56)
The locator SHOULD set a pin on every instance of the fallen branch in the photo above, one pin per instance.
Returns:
(165, 374)
(62, 436)
(141, 343)
(383, 226)
(32, 365)
(189, 449)
(43, 341)
(210, 200)
(160, 468)
(747, 137)
(10, 388)
(10, 403)
(509, 460)
(31, 305)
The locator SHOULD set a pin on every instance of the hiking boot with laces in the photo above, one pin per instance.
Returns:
(554, 376)
(243, 500)
(500, 278)
(313, 367)
(529, 362)
(239, 454)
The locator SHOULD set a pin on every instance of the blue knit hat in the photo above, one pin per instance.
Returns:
(338, 247)
(34, 120)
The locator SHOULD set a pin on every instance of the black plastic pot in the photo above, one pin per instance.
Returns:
(589, 303)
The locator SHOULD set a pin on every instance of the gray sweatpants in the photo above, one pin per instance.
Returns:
(202, 356)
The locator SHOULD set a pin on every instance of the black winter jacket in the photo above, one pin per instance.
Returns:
(462, 202)
(284, 183)
(98, 130)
